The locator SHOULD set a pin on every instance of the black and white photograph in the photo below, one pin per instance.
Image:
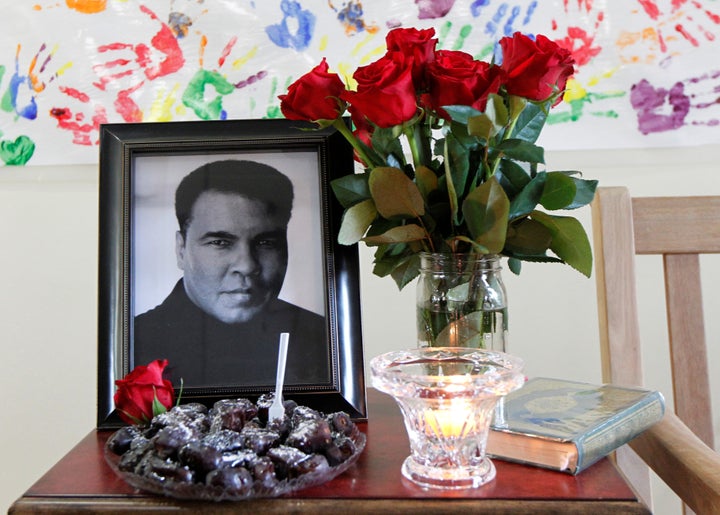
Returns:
(227, 255)
(213, 244)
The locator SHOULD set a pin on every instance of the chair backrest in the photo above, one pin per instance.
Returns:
(679, 229)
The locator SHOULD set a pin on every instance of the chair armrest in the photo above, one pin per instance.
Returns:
(688, 466)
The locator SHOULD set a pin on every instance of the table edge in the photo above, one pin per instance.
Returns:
(128, 505)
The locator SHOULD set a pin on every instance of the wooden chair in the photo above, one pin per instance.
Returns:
(679, 447)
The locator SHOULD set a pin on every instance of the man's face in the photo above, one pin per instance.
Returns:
(234, 255)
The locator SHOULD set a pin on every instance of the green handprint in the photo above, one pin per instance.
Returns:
(15, 152)
(194, 95)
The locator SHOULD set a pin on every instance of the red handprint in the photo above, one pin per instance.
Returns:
(83, 124)
(132, 64)
(695, 23)
(581, 40)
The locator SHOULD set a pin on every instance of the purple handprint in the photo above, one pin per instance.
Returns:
(430, 9)
(651, 105)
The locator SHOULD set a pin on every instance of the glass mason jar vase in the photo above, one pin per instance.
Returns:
(461, 302)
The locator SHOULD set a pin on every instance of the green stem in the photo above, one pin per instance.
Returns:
(347, 133)
(415, 151)
(428, 236)
(506, 135)
(422, 133)
(452, 193)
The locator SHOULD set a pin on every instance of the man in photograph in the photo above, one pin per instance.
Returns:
(222, 321)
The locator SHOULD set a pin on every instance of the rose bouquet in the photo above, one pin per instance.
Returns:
(448, 146)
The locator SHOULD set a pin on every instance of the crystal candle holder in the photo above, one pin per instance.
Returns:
(447, 396)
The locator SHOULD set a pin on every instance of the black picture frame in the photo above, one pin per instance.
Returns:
(122, 148)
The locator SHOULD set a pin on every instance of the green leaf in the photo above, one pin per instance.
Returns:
(355, 222)
(380, 225)
(399, 234)
(458, 157)
(157, 406)
(481, 126)
(534, 258)
(522, 151)
(528, 237)
(515, 265)
(530, 123)
(569, 240)
(584, 192)
(559, 191)
(461, 114)
(391, 251)
(460, 132)
(406, 270)
(584, 189)
(134, 420)
(517, 104)
(516, 177)
(395, 195)
(385, 262)
(525, 202)
(497, 111)
(384, 251)
(450, 187)
(351, 189)
(385, 142)
(383, 268)
(426, 180)
(486, 211)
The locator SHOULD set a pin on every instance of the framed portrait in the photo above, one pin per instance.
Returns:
(215, 238)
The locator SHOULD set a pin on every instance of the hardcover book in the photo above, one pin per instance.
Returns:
(568, 426)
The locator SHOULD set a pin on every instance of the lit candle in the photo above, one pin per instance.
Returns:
(453, 419)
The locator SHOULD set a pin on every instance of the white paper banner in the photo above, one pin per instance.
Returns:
(648, 69)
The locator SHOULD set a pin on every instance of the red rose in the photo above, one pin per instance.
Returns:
(385, 93)
(455, 78)
(314, 96)
(140, 389)
(418, 47)
(535, 69)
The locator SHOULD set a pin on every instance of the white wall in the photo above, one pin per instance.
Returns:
(48, 276)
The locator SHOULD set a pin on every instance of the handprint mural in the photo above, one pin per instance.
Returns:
(644, 66)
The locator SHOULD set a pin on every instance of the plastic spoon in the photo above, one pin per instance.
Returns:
(277, 410)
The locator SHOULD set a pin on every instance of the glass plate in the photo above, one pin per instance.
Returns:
(199, 491)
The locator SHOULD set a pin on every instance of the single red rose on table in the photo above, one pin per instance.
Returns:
(315, 96)
(456, 78)
(143, 393)
(418, 47)
(535, 69)
(385, 93)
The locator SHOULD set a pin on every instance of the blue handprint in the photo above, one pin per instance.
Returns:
(496, 27)
(506, 20)
(280, 32)
(31, 84)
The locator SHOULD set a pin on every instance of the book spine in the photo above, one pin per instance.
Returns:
(619, 430)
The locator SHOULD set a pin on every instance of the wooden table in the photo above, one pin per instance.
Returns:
(82, 482)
